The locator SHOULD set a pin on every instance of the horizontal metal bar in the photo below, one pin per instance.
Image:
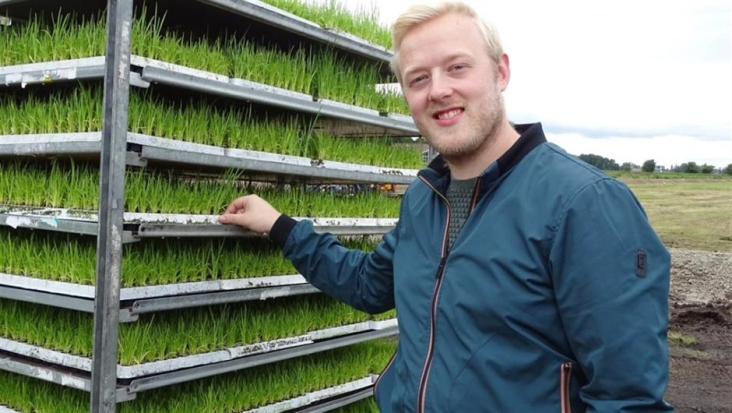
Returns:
(278, 168)
(82, 364)
(171, 150)
(145, 230)
(197, 300)
(49, 223)
(171, 225)
(44, 372)
(195, 373)
(56, 375)
(315, 397)
(47, 286)
(175, 145)
(215, 230)
(268, 97)
(49, 148)
(206, 82)
(151, 305)
(51, 72)
(53, 223)
(210, 286)
(282, 20)
(49, 299)
(152, 291)
(340, 401)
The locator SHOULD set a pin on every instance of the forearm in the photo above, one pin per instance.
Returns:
(362, 280)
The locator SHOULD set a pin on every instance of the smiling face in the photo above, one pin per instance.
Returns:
(451, 85)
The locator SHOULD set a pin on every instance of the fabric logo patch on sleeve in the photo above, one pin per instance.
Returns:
(641, 263)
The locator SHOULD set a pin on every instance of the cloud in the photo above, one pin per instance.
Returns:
(700, 132)
(644, 70)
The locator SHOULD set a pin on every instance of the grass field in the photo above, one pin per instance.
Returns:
(688, 213)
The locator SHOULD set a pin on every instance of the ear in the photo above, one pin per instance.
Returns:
(503, 72)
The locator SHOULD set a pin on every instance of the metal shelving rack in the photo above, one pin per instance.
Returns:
(117, 149)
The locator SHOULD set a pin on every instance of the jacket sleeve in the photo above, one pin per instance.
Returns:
(611, 278)
(359, 279)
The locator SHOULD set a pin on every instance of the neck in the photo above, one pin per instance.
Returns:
(472, 165)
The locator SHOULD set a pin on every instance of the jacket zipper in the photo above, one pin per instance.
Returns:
(564, 387)
(421, 394)
(475, 196)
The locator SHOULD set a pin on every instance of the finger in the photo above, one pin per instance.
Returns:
(236, 205)
(234, 219)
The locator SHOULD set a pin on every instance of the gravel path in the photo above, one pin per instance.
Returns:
(699, 277)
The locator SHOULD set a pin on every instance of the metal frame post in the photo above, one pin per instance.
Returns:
(111, 206)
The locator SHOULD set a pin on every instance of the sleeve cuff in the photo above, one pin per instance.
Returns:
(282, 229)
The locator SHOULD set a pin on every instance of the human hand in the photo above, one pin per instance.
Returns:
(252, 213)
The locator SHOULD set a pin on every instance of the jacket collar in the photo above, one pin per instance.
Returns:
(532, 135)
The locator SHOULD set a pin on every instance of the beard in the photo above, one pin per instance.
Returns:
(475, 133)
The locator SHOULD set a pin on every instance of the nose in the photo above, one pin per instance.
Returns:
(440, 88)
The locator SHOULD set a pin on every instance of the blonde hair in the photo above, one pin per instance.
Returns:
(423, 13)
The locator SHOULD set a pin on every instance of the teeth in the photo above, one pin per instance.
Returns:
(449, 115)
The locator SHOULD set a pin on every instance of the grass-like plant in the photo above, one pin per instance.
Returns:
(166, 335)
(229, 393)
(324, 73)
(371, 151)
(71, 258)
(58, 37)
(76, 186)
(292, 71)
(80, 110)
(333, 14)
(337, 79)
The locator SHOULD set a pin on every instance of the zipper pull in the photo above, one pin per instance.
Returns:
(441, 267)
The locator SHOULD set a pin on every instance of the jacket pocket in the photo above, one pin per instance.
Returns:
(564, 383)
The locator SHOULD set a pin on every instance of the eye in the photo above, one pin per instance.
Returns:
(458, 67)
(417, 80)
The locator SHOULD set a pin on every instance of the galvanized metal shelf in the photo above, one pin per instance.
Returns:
(168, 379)
(100, 375)
(337, 396)
(154, 150)
(139, 226)
(53, 374)
(146, 71)
(270, 17)
(131, 372)
(340, 401)
(313, 402)
(283, 20)
(256, 285)
(77, 378)
(148, 299)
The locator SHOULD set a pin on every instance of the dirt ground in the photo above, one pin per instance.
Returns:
(701, 332)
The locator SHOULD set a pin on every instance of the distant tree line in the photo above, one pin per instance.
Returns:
(693, 168)
(600, 162)
(607, 164)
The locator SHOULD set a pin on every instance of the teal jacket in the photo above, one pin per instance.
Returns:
(553, 298)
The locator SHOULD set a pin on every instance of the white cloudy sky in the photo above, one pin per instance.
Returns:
(628, 80)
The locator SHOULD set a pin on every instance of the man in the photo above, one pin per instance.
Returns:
(524, 280)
